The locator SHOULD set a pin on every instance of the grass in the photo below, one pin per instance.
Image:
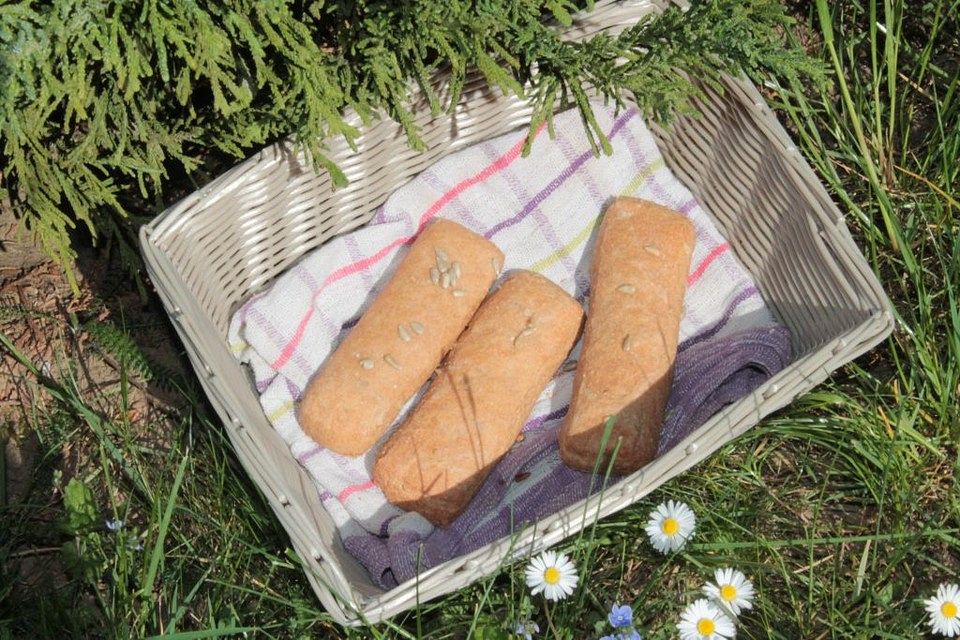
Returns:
(844, 507)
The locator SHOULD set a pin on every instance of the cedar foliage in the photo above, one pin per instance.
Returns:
(106, 106)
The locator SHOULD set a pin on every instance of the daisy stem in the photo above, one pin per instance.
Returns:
(546, 613)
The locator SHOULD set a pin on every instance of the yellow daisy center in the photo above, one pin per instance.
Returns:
(728, 592)
(551, 575)
(706, 626)
(670, 526)
(949, 610)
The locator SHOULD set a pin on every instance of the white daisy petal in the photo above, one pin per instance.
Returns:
(702, 620)
(534, 573)
(732, 591)
(552, 574)
(944, 610)
(670, 525)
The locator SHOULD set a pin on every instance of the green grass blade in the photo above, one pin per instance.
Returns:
(156, 554)
(207, 633)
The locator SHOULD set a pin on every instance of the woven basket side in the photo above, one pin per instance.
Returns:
(769, 214)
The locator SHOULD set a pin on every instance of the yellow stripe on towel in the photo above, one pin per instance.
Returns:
(566, 249)
(279, 411)
(641, 177)
(579, 239)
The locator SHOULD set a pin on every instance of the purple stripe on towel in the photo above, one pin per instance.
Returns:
(293, 390)
(560, 179)
(357, 255)
(307, 278)
(542, 221)
(385, 525)
(309, 453)
(538, 422)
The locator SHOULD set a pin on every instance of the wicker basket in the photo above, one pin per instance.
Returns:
(212, 250)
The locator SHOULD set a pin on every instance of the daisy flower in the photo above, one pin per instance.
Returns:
(620, 616)
(732, 590)
(944, 610)
(553, 574)
(526, 629)
(703, 620)
(670, 526)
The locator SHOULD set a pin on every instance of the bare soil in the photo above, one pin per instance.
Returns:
(50, 325)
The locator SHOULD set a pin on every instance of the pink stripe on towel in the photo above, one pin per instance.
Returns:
(354, 488)
(501, 163)
(717, 250)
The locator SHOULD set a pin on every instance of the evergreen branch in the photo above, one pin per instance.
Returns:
(103, 104)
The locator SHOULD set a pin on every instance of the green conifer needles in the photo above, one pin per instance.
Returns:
(107, 107)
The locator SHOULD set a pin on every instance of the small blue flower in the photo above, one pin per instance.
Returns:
(113, 525)
(526, 629)
(620, 616)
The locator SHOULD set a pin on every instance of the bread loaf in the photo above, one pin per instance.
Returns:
(475, 408)
(638, 281)
(400, 339)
